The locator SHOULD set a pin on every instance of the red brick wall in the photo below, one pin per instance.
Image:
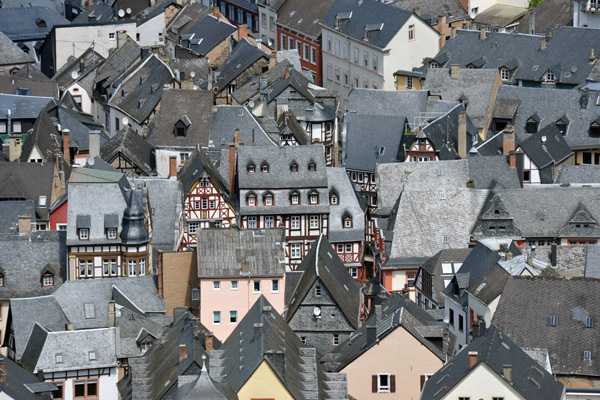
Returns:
(316, 69)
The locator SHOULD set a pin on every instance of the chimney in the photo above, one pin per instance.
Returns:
(453, 33)
(482, 34)
(366, 34)
(24, 223)
(90, 3)
(111, 314)
(245, 267)
(273, 59)
(454, 71)
(472, 359)
(66, 149)
(532, 251)
(182, 351)
(262, 82)
(231, 168)
(286, 74)
(121, 38)
(236, 137)
(3, 370)
(208, 342)
(172, 166)
(462, 134)
(242, 32)
(94, 147)
(507, 372)
(508, 140)
(14, 149)
(592, 57)
(378, 313)
(259, 44)
(532, 22)
(69, 326)
(543, 44)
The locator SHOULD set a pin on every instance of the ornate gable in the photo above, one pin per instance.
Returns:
(495, 221)
(581, 225)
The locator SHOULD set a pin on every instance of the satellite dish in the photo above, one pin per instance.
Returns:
(121, 13)
(251, 104)
(317, 312)
(192, 74)
(128, 10)
(125, 121)
(74, 75)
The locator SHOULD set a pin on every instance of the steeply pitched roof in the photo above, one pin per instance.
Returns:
(206, 35)
(546, 147)
(549, 16)
(592, 261)
(227, 119)
(199, 162)
(120, 60)
(139, 93)
(387, 18)
(33, 86)
(44, 138)
(25, 23)
(10, 211)
(242, 56)
(20, 384)
(348, 205)
(224, 251)
(496, 350)
(499, 15)
(323, 263)
(434, 9)
(527, 306)
(78, 68)
(303, 16)
(28, 181)
(22, 107)
(578, 174)
(11, 54)
(132, 146)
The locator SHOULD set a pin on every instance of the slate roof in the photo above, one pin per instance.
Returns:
(369, 12)
(224, 250)
(199, 66)
(28, 181)
(323, 263)
(44, 137)
(551, 105)
(549, 16)
(34, 87)
(132, 146)
(434, 266)
(266, 336)
(527, 305)
(475, 87)
(80, 67)
(484, 172)
(397, 311)
(382, 145)
(348, 205)
(10, 211)
(575, 174)
(241, 58)
(120, 60)
(11, 54)
(499, 15)
(451, 9)
(522, 54)
(139, 93)
(287, 124)
(546, 147)
(185, 19)
(196, 105)
(226, 119)
(99, 12)
(446, 218)
(592, 262)
(21, 23)
(303, 16)
(202, 387)
(25, 258)
(20, 384)
(490, 286)
(206, 35)
(495, 349)
(22, 107)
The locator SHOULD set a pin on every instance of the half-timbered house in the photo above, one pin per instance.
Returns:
(208, 202)
(284, 186)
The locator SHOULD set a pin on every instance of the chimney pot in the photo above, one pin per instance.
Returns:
(242, 32)
(472, 359)
(543, 44)
(182, 351)
(452, 32)
(508, 140)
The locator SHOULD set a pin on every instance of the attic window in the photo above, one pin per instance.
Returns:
(294, 198)
(58, 357)
(434, 65)
(40, 23)
(589, 323)
(312, 167)
(333, 198)
(92, 355)
(595, 129)
(48, 279)
(561, 124)
(294, 167)
(504, 74)
(318, 291)
(348, 222)
(550, 77)
(89, 310)
(587, 355)
(313, 198)
(531, 126)
(553, 320)
(251, 168)
(264, 168)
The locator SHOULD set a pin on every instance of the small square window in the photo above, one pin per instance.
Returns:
(383, 383)
(89, 310)
(587, 355)
(234, 285)
(217, 285)
(232, 317)
(275, 286)
(216, 317)
(84, 233)
(111, 233)
(195, 294)
(111, 36)
(48, 280)
(256, 287)
(92, 355)
(59, 358)
(318, 291)
(303, 339)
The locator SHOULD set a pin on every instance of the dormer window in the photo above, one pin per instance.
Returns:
(251, 168)
(48, 279)
(347, 222)
(333, 199)
(251, 200)
(268, 200)
(84, 234)
(294, 167)
(1, 280)
(313, 198)
(312, 167)
(42, 201)
(561, 124)
(264, 168)
(434, 65)
(295, 198)
(594, 129)
(504, 74)
(181, 126)
(531, 126)
(550, 77)
(111, 233)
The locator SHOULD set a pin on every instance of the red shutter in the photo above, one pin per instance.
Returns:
(422, 382)
(374, 384)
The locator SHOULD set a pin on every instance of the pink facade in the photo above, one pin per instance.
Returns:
(233, 297)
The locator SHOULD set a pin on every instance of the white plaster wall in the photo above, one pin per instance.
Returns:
(150, 31)
(483, 5)
(107, 386)
(482, 383)
(267, 32)
(162, 159)
(86, 101)
(36, 155)
(114, 113)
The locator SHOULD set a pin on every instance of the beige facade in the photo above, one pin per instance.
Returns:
(177, 276)
(400, 354)
(484, 383)
(264, 384)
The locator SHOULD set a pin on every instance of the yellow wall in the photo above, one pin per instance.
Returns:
(401, 83)
(263, 384)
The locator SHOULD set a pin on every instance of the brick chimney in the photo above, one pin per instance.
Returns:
(462, 134)
(172, 166)
(208, 342)
(242, 32)
(24, 224)
(508, 140)
(182, 351)
(454, 71)
(231, 168)
(66, 150)
(472, 359)
(272, 59)
(94, 147)
(111, 314)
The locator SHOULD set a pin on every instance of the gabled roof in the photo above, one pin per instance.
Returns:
(499, 15)
(288, 124)
(546, 147)
(388, 18)
(132, 146)
(443, 133)
(28, 181)
(20, 384)
(495, 350)
(434, 266)
(199, 163)
(575, 174)
(434, 9)
(527, 305)
(44, 136)
(78, 68)
(99, 12)
(206, 35)
(303, 16)
(250, 89)
(224, 251)
(139, 93)
(33, 86)
(22, 107)
(323, 263)
(549, 16)
(11, 54)
(241, 58)
(348, 205)
(117, 63)
(185, 19)
(25, 23)
(225, 121)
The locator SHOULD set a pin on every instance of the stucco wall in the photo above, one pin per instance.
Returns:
(263, 384)
(482, 383)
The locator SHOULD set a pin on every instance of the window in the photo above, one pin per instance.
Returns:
(410, 279)
(336, 339)
(318, 291)
(251, 168)
(409, 82)
(589, 323)
(216, 285)
(232, 317)
(251, 200)
(111, 36)
(272, 23)
(337, 74)
(329, 44)
(337, 48)
(365, 83)
(303, 339)
(264, 168)
(294, 250)
(1, 280)
(251, 222)
(553, 320)
(58, 393)
(374, 62)
(291, 42)
(411, 33)
(256, 287)
(295, 222)
(211, 204)
(86, 389)
(204, 203)
(594, 129)
(314, 198)
(333, 199)
(355, 53)
(562, 126)
(346, 79)
(92, 355)
(47, 279)
(111, 233)
(294, 167)
(84, 233)
(295, 198)
(365, 59)
(109, 267)
(89, 310)
(504, 74)
(275, 286)
(312, 167)
(184, 157)
(348, 222)
(234, 285)
(216, 317)
(42, 201)
(59, 358)
(531, 126)
(195, 294)
(348, 247)
(306, 53)
(461, 322)
(345, 51)
(86, 268)
(313, 55)
(132, 267)
(354, 272)
(587, 355)
(384, 383)
(329, 73)
(434, 65)
(268, 198)
(283, 41)
(356, 81)
(269, 222)
(451, 317)
(263, 18)
(550, 77)
(299, 48)
(314, 222)
(193, 227)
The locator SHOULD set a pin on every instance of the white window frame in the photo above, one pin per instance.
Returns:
(382, 388)
(193, 227)
(234, 285)
(216, 285)
(233, 317)
(274, 285)
(294, 222)
(112, 36)
(409, 82)
(216, 317)
(314, 222)
(254, 290)
(111, 233)
(195, 294)
(84, 234)
(48, 280)
(269, 221)
(295, 250)
(504, 74)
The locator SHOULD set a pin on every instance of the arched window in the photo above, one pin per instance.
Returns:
(312, 167)
(251, 200)
(434, 64)
(595, 129)
(313, 198)
(251, 168)
(268, 200)
(264, 167)
(294, 198)
(294, 167)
